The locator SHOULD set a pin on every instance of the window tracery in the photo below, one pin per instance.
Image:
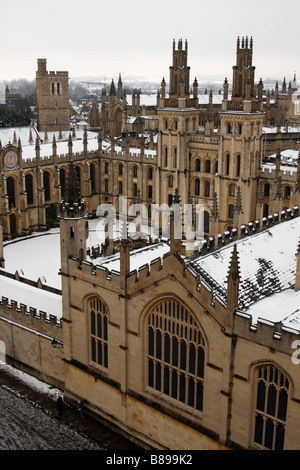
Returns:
(175, 353)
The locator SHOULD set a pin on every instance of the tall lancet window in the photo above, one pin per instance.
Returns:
(175, 354)
(98, 315)
(270, 408)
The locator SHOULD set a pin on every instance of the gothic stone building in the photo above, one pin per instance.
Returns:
(176, 352)
(226, 169)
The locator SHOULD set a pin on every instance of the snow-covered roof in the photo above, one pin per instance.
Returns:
(62, 148)
(138, 257)
(145, 99)
(284, 305)
(267, 266)
(283, 129)
(289, 160)
(28, 150)
(216, 99)
(40, 299)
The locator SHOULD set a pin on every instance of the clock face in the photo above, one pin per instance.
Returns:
(11, 160)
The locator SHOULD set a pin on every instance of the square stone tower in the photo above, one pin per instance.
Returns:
(52, 99)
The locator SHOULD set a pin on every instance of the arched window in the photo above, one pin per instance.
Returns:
(175, 157)
(197, 164)
(175, 353)
(29, 188)
(62, 181)
(106, 168)
(266, 190)
(149, 192)
(270, 407)
(287, 193)
(166, 157)
(230, 211)
(197, 187)
(46, 183)
(150, 173)
(120, 169)
(78, 174)
(266, 210)
(170, 181)
(93, 177)
(207, 166)
(232, 190)
(207, 189)
(10, 183)
(135, 171)
(120, 187)
(98, 313)
(227, 162)
(206, 221)
(134, 189)
(238, 165)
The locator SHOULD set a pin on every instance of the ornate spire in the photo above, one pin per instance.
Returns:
(234, 268)
(233, 282)
(260, 193)
(238, 208)
(214, 213)
(176, 197)
(278, 191)
(112, 91)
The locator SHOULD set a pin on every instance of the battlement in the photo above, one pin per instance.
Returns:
(148, 274)
(285, 170)
(256, 226)
(270, 334)
(43, 73)
(133, 154)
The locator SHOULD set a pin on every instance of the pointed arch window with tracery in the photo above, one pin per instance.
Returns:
(98, 315)
(272, 389)
(175, 353)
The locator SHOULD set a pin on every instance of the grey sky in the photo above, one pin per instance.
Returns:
(102, 39)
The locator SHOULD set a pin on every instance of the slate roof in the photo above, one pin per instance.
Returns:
(267, 263)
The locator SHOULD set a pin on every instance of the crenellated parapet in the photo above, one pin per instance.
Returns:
(256, 226)
(37, 321)
(131, 155)
(269, 334)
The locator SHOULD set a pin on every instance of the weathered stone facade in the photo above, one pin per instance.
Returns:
(52, 99)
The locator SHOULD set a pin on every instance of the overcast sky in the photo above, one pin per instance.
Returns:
(102, 39)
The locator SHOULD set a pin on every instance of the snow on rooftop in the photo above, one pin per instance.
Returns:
(28, 150)
(34, 257)
(288, 158)
(138, 257)
(267, 265)
(285, 308)
(283, 129)
(145, 99)
(30, 296)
